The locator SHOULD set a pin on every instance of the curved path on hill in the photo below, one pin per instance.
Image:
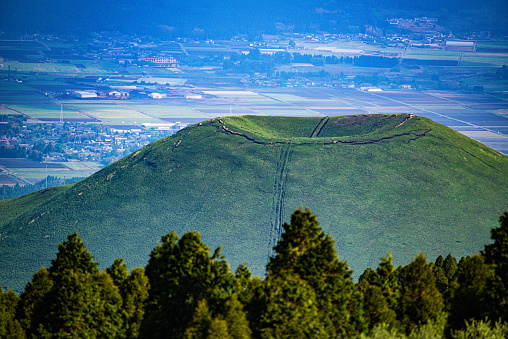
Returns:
(418, 133)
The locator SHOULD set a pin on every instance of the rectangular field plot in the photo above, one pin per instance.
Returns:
(115, 114)
(27, 163)
(308, 93)
(484, 59)
(34, 175)
(289, 112)
(471, 98)
(15, 93)
(216, 111)
(7, 180)
(49, 112)
(394, 110)
(478, 118)
(423, 54)
(410, 98)
(284, 97)
(339, 111)
(82, 165)
(322, 103)
(167, 111)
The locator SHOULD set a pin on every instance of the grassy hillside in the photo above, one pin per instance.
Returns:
(378, 183)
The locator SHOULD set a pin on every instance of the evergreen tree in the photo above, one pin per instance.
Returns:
(201, 321)
(236, 320)
(366, 279)
(31, 307)
(441, 279)
(376, 307)
(73, 255)
(118, 272)
(134, 291)
(246, 284)
(439, 261)
(381, 296)
(496, 254)
(420, 302)
(81, 301)
(450, 267)
(181, 273)
(310, 253)
(218, 329)
(9, 325)
(388, 281)
(466, 300)
(289, 308)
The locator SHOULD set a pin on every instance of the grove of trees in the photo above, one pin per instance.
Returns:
(186, 291)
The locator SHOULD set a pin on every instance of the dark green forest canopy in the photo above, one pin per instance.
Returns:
(308, 292)
(378, 183)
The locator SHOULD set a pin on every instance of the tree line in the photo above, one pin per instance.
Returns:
(186, 291)
(18, 190)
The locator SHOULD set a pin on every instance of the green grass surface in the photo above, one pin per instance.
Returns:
(47, 110)
(375, 184)
(115, 114)
(13, 207)
(484, 59)
(168, 111)
(425, 54)
(36, 174)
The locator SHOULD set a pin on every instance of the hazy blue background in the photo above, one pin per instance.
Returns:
(220, 18)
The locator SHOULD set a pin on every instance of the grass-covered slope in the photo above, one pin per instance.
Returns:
(378, 183)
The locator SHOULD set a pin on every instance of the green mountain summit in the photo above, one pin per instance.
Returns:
(378, 183)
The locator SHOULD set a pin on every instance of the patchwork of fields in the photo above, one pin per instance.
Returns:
(214, 94)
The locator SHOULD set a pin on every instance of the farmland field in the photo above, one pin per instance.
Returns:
(114, 114)
(34, 171)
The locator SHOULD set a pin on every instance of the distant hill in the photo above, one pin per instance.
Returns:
(201, 19)
(377, 183)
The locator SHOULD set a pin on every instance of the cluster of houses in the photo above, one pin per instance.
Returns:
(85, 142)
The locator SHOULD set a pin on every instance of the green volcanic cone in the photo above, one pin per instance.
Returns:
(378, 183)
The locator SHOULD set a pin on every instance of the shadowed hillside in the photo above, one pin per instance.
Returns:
(378, 183)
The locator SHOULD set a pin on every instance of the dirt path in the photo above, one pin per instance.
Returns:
(279, 185)
(319, 127)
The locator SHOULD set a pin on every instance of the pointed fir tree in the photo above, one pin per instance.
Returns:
(218, 329)
(181, 273)
(134, 292)
(441, 279)
(496, 254)
(236, 319)
(366, 279)
(439, 261)
(31, 307)
(118, 272)
(201, 321)
(381, 295)
(73, 255)
(288, 308)
(310, 253)
(82, 302)
(450, 267)
(467, 293)
(9, 325)
(421, 302)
